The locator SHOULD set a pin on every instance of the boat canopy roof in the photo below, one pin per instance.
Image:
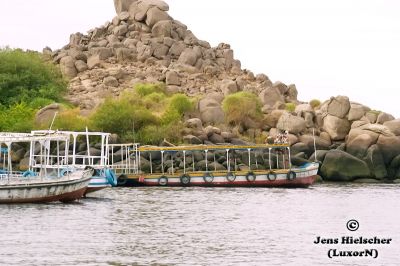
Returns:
(72, 133)
(6, 137)
(213, 147)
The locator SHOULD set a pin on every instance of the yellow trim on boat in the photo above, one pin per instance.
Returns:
(211, 147)
(214, 173)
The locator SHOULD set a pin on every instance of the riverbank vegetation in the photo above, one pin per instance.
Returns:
(27, 83)
(146, 113)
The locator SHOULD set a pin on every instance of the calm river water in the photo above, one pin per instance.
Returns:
(203, 226)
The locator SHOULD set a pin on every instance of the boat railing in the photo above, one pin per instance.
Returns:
(167, 162)
(72, 157)
(122, 158)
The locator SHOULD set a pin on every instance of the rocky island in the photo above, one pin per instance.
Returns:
(144, 44)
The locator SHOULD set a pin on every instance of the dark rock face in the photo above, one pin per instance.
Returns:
(341, 166)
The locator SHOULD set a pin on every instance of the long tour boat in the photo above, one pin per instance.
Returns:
(40, 183)
(266, 165)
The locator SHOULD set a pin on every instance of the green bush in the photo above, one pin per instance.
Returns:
(112, 116)
(181, 103)
(120, 116)
(315, 103)
(70, 120)
(154, 101)
(375, 112)
(154, 135)
(240, 106)
(290, 107)
(17, 118)
(170, 116)
(146, 114)
(146, 89)
(25, 76)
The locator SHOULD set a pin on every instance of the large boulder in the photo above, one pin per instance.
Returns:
(379, 129)
(341, 166)
(356, 112)
(67, 66)
(173, 78)
(190, 139)
(393, 126)
(355, 132)
(208, 102)
(359, 145)
(122, 5)
(376, 162)
(45, 115)
(291, 94)
(110, 81)
(194, 123)
(188, 57)
(270, 96)
(102, 52)
(228, 86)
(320, 143)
(81, 66)
(339, 106)
(212, 115)
(291, 123)
(389, 146)
(120, 30)
(336, 127)
(93, 61)
(384, 117)
(272, 118)
(154, 15)
(162, 28)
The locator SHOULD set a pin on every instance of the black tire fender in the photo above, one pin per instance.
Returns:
(163, 180)
(271, 176)
(291, 175)
(230, 176)
(250, 177)
(185, 179)
(208, 177)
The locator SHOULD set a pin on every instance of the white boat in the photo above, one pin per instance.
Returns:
(103, 176)
(39, 184)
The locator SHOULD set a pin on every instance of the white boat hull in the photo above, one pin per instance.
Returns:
(64, 189)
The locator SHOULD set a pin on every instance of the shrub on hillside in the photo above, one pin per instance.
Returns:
(70, 120)
(240, 106)
(17, 118)
(154, 101)
(149, 88)
(290, 107)
(120, 116)
(154, 135)
(181, 103)
(25, 76)
(315, 103)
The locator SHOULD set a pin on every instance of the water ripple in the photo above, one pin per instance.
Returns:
(200, 226)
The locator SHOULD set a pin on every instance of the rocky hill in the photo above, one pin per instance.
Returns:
(143, 43)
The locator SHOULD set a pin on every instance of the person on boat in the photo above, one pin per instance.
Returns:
(285, 137)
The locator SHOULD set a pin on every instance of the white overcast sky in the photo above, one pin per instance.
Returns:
(327, 48)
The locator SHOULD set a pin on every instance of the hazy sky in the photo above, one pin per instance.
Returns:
(327, 48)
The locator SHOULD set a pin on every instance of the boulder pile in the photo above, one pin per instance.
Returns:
(143, 43)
